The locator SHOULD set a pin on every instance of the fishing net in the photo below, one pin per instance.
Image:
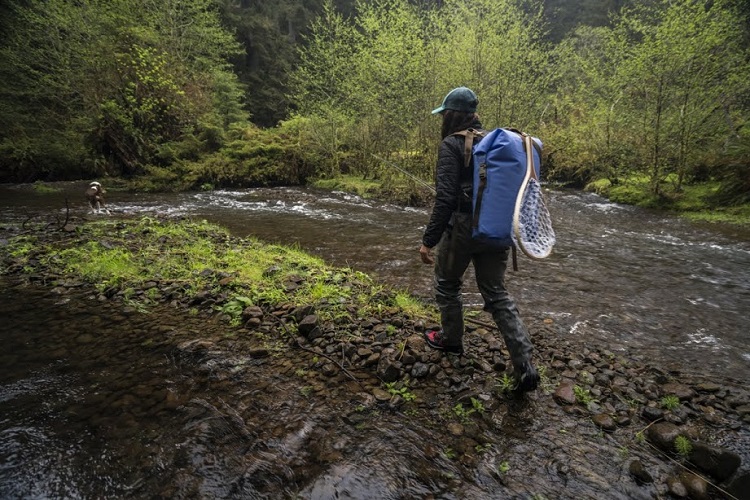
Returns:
(532, 224)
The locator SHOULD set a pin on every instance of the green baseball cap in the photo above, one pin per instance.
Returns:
(459, 99)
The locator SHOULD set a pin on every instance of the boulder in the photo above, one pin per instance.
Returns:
(717, 462)
(662, 435)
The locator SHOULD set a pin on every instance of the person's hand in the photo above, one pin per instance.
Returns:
(426, 254)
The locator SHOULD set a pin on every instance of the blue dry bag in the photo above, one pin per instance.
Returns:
(499, 164)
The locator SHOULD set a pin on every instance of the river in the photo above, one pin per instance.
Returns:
(674, 292)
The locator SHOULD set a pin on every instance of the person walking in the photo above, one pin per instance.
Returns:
(450, 230)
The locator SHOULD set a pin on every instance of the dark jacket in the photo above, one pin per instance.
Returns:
(453, 183)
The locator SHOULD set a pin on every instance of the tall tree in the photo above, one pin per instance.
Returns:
(95, 84)
(683, 73)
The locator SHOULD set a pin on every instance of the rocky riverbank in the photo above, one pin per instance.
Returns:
(670, 431)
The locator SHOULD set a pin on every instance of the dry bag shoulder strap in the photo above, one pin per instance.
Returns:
(470, 135)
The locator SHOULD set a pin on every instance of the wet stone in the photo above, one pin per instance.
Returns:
(85, 338)
(708, 387)
(676, 488)
(455, 429)
(420, 370)
(623, 420)
(652, 414)
(387, 370)
(663, 434)
(718, 462)
(565, 394)
(680, 390)
(604, 422)
(308, 327)
(380, 395)
(743, 410)
(696, 486)
(639, 472)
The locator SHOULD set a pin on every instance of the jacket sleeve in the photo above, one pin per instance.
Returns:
(450, 161)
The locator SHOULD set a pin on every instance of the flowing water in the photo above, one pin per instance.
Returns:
(92, 408)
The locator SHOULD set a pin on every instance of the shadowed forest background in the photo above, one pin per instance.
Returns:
(200, 94)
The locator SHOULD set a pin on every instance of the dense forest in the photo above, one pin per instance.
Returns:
(208, 93)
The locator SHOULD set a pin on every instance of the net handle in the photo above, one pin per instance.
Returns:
(524, 185)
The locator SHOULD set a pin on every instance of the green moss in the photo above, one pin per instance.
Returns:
(600, 187)
(693, 201)
(41, 188)
(350, 184)
(201, 256)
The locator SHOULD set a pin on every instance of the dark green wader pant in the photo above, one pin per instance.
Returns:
(454, 252)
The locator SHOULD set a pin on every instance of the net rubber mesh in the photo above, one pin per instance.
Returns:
(532, 224)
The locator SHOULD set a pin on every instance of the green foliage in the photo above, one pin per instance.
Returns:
(387, 67)
(397, 389)
(683, 446)
(670, 402)
(234, 307)
(640, 437)
(506, 384)
(658, 93)
(655, 90)
(464, 413)
(482, 448)
(90, 87)
(42, 188)
(583, 396)
(198, 256)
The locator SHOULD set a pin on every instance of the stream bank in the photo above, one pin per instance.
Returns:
(361, 391)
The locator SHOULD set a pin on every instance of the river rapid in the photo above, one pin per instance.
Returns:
(621, 278)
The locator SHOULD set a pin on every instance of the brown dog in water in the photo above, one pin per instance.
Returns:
(95, 196)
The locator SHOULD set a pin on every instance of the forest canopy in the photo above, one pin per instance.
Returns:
(246, 92)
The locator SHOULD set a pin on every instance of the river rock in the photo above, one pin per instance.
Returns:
(639, 472)
(663, 434)
(565, 394)
(743, 410)
(195, 345)
(387, 370)
(420, 370)
(717, 462)
(604, 422)
(739, 485)
(709, 387)
(455, 429)
(676, 488)
(381, 396)
(652, 414)
(696, 486)
(252, 312)
(680, 390)
(309, 328)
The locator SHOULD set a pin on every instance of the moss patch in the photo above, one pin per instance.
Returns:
(693, 201)
(197, 257)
